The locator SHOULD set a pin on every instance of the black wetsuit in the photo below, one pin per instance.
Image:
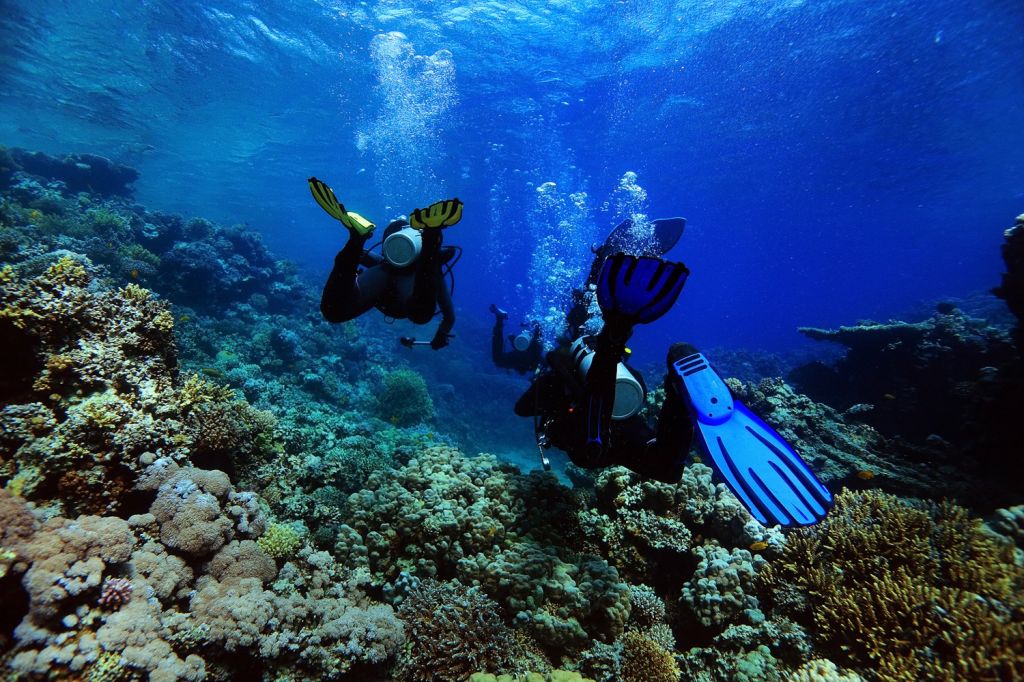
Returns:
(522, 361)
(557, 398)
(414, 292)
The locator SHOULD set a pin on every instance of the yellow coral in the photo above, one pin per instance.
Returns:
(67, 271)
(280, 540)
(197, 391)
(643, 660)
(135, 293)
(912, 592)
(108, 668)
(164, 321)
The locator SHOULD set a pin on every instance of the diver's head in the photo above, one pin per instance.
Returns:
(629, 393)
(678, 351)
(402, 244)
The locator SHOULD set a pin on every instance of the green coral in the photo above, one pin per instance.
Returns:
(403, 399)
(108, 668)
(281, 540)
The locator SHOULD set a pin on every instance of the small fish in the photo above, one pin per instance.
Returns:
(213, 372)
(889, 396)
(184, 318)
(697, 459)
(865, 475)
(135, 274)
(758, 546)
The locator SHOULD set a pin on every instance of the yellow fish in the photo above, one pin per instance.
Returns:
(865, 475)
(758, 546)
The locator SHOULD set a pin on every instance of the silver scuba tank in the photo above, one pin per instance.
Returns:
(629, 393)
(402, 247)
(521, 341)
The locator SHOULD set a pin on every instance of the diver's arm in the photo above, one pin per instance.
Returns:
(498, 341)
(369, 259)
(444, 300)
(600, 383)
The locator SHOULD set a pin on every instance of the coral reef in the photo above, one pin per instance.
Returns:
(201, 480)
(917, 377)
(1011, 289)
(97, 391)
(943, 390)
(453, 630)
(76, 172)
(447, 516)
(845, 452)
(909, 592)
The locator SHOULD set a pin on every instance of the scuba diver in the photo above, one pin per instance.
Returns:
(526, 353)
(588, 402)
(407, 281)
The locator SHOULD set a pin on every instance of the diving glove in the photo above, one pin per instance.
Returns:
(439, 214)
(324, 196)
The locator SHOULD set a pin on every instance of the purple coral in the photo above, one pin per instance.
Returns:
(115, 593)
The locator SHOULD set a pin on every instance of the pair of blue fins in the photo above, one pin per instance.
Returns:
(757, 464)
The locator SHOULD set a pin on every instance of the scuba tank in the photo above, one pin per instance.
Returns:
(402, 247)
(521, 341)
(629, 393)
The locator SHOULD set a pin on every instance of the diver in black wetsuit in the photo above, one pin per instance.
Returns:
(557, 401)
(527, 351)
(407, 282)
(587, 401)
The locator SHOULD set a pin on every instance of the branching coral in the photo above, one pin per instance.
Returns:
(911, 592)
(453, 631)
(644, 660)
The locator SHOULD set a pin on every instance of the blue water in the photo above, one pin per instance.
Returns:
(836, 160)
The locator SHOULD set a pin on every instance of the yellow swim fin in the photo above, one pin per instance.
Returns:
(439, 214)
(324, 196)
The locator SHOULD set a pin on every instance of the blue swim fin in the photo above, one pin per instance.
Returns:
(639, 289)
(667, 232)
(760, 468)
